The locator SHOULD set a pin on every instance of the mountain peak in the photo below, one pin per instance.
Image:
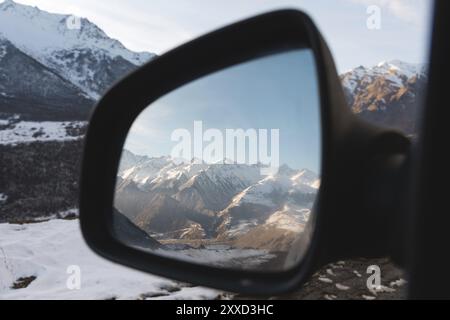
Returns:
(12, 6)
(388, 93)
(7, 4)
(40, 33)
(397, 72)
(286, 170)
(74, 47)
(404, 68)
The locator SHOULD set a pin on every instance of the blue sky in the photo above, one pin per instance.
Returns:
(276, 92)
(159, 25)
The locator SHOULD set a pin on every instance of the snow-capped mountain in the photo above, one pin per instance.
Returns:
(74, 47)
(306, 177)
(272, 200)
(146, 169)
(129, 160)
(202, 201)
(267, 191)
(388, 94)
(213, 188)
(36, 92)
(396, 73)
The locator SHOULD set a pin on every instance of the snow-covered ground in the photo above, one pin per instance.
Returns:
(29, 131)
(53, 251)
(222, 256)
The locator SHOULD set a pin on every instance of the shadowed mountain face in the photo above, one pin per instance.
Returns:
(53, 70)
(130, 234)
(35, 92)
(390, 94)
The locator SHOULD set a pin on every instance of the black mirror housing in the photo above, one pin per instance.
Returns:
(349, 147)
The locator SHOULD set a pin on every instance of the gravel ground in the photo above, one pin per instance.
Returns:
(346, 281)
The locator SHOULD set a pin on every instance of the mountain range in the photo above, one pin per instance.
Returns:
(390, 94)
(53, 70)
(192, 201)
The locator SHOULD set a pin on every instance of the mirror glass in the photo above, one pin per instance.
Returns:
(225, 171)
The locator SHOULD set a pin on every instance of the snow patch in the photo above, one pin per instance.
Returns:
(241, 228)
(381, 289)
(29, 131)
(330, 272)
(58, 244)
(399, 283)
(220, 256)
(325, 280)
(289, 219)
(342, 287)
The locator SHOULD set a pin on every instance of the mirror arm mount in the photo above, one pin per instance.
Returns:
(369, 186)
(385, 196)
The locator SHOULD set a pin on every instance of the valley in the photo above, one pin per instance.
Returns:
(220, 208)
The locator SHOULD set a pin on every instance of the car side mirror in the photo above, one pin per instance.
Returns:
(234, 162)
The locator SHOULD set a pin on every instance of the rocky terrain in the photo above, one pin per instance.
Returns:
(219, 203)
(389, 94)
(346, 280)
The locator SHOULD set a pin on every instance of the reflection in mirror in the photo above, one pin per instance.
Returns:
(225, 171)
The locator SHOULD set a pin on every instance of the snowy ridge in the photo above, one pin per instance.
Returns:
(74, 47)
(147, 170)
(155, 171)
(284, 219)
(303, 181)
(42, 33)
(397, 72)
(218, 200)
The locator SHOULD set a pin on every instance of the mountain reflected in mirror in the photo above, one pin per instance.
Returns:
(225, 171)
(215, 207)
